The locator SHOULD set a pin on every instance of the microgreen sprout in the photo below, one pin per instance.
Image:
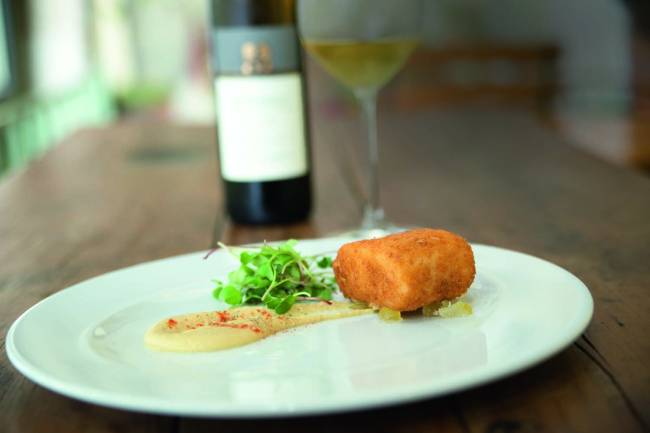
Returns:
(276, 277)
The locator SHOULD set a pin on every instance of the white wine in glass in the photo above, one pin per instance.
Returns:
(362, 64)
(362, 44)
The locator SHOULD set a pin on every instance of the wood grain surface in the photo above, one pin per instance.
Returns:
(141, 190)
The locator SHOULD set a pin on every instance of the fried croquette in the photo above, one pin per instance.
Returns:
(405, 271)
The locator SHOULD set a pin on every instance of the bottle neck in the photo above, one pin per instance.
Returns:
(241, 13)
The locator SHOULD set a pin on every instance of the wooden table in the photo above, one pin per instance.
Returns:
(141, 190)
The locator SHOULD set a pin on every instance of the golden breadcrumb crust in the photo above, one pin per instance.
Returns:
(405, 271)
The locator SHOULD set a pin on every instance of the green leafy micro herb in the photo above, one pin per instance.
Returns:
(277, 277)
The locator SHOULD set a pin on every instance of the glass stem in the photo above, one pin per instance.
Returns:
(373, 214)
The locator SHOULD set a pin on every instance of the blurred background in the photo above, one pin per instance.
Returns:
(581, 66)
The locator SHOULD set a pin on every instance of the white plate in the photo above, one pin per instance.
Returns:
(86, 342)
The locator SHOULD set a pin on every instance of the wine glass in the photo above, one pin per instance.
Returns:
(362, 44)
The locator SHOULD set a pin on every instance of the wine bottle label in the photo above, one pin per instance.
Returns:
(261, 127)
(260, 113)
(255, 50)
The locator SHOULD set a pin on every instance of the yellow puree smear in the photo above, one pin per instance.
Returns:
(218, 330)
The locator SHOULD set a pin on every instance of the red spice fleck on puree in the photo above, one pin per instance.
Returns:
(223, 316)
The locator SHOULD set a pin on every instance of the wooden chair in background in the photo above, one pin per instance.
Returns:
(478, 73)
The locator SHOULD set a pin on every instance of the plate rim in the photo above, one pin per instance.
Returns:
(460, 383)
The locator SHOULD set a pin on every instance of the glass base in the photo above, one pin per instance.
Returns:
(374, 225)
(363, 233)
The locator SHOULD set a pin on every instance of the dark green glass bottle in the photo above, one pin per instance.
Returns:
(261, 117)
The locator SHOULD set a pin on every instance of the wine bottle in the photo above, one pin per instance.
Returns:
(260, 99)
